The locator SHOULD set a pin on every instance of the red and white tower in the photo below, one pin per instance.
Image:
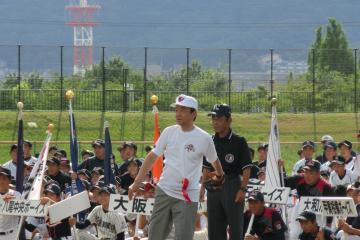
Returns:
(81, 19)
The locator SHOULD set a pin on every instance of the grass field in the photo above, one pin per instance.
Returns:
(255, 127)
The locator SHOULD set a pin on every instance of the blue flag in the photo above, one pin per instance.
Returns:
(20, 156)
(109, 164)
(77, 186)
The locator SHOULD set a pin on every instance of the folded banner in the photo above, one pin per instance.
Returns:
(69, 207)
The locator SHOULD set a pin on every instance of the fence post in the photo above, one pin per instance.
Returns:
(314, 92)
(61, 79)
(229, 83)
(145, 78)
(187, 71)
(355, 91)
(125, 75)
(19, 72)
(271, 73)
(103, 80)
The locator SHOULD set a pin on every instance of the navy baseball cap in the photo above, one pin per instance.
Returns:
(308, 143)
(256, 196)
(220, 110)
(98, 142)
(110, 189)
(98, 170)
(339, 160)
(345, 143)
(312, 165)
(53, 188)
(306, 216)
(330, 144)
(6, 172)
(263, 146)
(85, 172)
(84, 152)
(53, 160)
(27, 142)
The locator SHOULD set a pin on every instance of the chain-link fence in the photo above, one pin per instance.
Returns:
(123, 79)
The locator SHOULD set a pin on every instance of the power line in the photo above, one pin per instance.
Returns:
(182, 24)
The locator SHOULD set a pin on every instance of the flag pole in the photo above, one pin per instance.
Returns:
(158, 165)
(20, 165)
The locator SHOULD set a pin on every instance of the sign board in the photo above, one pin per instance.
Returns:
(138, 205)
(69, 207)
(275, 195)
(312, 204)
(21, 207)
(338, 206)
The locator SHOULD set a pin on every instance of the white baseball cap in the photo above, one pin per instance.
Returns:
(327, 138)
(185, 101)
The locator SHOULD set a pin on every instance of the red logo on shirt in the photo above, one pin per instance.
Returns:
(190, 148)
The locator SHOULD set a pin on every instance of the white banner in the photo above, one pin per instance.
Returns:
(69, 207)
(19, 207)
(312, 204)
(138, 205)
(338, 206)
(275, 195)
(272, 178)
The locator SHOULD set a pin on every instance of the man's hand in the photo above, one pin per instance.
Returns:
(45, 200)
(281, 163)
(134, 190)
(202, 193)
(72, 221)
(240, 196)
(7, 197)
(251, 237)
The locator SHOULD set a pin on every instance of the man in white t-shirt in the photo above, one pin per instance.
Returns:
(184, 145)
(8, 224)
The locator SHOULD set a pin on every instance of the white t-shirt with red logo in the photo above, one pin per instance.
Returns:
(183, 151)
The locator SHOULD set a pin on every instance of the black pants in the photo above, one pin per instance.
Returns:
(224, 212)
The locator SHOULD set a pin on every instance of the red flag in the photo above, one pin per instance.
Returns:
(158, 165)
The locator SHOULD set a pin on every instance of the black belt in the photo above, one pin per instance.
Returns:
(6, 233)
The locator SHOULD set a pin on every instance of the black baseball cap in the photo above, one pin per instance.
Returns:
(263, 146)
(127, 144)
(98, 142)
(220, 110)
(312, 165)
(27, 142)
(84, 152)
(339, 160)
(256, 196)
(330, 144)
(135, 161)
(308, 143)
(306, 216)
(98, 170)
(345, 143)
(53, 160)
(6, 172)
(13, 147)
(85, 172)
(110, 189)
(53, 188)
(86, 184)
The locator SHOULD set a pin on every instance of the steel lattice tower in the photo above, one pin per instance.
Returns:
(82, 21)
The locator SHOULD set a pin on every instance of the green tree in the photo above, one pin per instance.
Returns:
(331, 50)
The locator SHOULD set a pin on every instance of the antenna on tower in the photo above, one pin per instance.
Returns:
(82, 21)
